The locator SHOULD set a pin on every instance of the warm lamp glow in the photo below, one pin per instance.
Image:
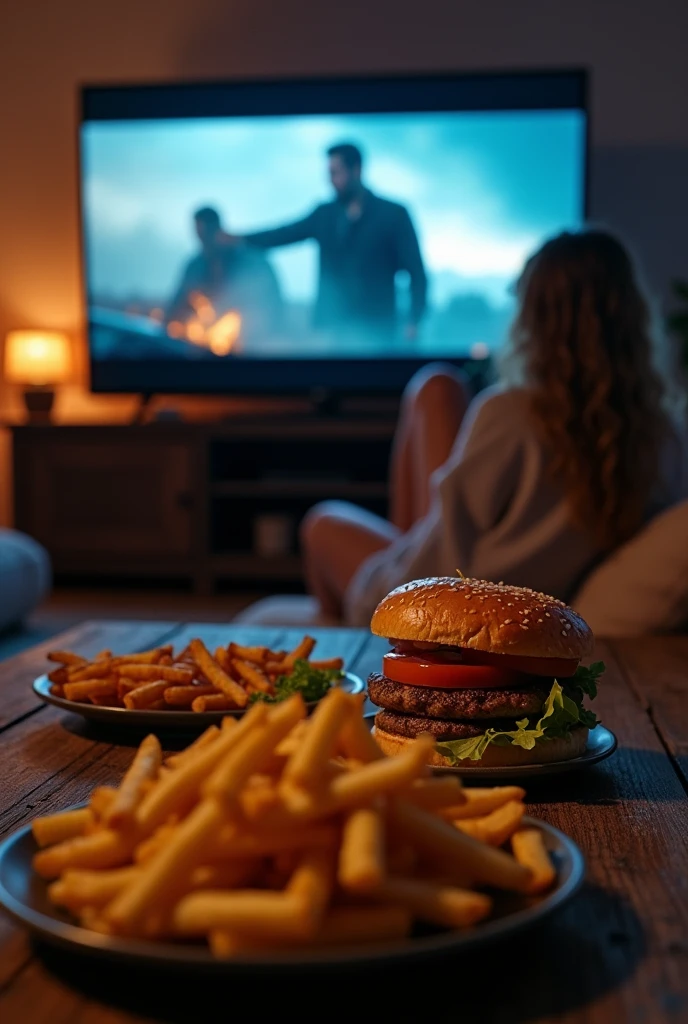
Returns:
(37, 357)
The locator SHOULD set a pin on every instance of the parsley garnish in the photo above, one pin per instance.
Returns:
(311, 683)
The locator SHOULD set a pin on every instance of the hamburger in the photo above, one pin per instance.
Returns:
(492, 671)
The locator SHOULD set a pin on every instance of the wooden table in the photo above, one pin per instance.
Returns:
(618, 953)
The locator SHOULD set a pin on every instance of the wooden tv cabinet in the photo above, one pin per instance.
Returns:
(186, 501)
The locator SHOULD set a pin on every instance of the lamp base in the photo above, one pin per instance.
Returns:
(39, 403)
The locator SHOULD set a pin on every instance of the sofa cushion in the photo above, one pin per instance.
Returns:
(643, 587)
(24, 576)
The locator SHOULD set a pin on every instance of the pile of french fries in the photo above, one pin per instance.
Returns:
(193, 680)
(280, 832)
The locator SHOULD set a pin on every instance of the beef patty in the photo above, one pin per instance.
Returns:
(441, 728)
(458, 703)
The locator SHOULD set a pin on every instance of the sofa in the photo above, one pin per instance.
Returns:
(641, 589)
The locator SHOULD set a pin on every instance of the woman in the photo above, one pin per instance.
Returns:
(550, 471)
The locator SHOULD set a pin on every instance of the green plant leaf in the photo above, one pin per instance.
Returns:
(586, 678)
(311, 683)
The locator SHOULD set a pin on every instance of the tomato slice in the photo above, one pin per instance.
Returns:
(562, 668)
(421, 671)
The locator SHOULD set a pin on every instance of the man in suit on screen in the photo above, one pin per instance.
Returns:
(364, 241)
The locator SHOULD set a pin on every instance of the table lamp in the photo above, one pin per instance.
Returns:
(38, 360)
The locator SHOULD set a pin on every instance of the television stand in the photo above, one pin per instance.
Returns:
(206, 504)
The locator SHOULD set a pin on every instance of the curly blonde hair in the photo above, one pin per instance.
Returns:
(581, 344)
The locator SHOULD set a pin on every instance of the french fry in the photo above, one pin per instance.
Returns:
(328, 663)
(215, 675)
(379, 777)
(455, 851)
(149, 847)
(57, 690)
(87, 688)
(59, 676)
(266, 915)
(494, 828)
(233, 842)
(281, 832)
(213, 702)
(250, 673)
(165, 876)
(79, 889)
(253, 749)
(106, 700)
(233, 874)
(66, 658)
(151, 657)
(210, 734)
(184, 696)
(312, 883)
(355, 738)
(362, 853)
(101, 799)
(178, 676)
(302, 650)
(529, 849)
(305, 766)
(146, 696)
(222, 658)
(143, 769)
(436, 794)
(56, 828)
(104, 655)
(90, 918)
(477, 802)
(256, 655)
(439, 904)
(92, 670)
(175, 793)
(104, 849)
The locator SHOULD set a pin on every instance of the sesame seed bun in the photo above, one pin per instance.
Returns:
(482, 616)
(543, 752)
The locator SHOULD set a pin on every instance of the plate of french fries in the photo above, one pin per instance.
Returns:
(283, 839)
(190, 688)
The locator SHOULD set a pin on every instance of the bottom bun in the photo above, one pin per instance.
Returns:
(495, 757)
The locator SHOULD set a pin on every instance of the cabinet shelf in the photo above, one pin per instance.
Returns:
(185, 499)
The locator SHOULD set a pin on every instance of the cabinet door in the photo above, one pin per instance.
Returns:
(108, 498)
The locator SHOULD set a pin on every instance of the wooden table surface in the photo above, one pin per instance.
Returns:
(618, 953)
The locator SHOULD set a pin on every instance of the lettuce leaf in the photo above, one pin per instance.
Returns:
(560, 713)
(586, 678)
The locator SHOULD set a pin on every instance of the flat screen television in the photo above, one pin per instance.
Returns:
(283, 236)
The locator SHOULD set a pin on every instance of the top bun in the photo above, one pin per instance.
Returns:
(484, 617)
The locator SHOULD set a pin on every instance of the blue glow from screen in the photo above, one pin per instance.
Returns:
(483, 190)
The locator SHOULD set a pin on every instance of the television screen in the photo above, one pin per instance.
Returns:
(249, 238)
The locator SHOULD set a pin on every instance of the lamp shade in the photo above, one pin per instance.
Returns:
(37, 357)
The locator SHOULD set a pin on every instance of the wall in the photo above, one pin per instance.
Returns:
(636, 52)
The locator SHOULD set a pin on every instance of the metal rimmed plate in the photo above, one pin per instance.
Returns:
(179, 721)
(24, 896)
(601, 743)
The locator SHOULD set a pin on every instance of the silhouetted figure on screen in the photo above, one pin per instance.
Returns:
(364, 241)
(231, 277)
